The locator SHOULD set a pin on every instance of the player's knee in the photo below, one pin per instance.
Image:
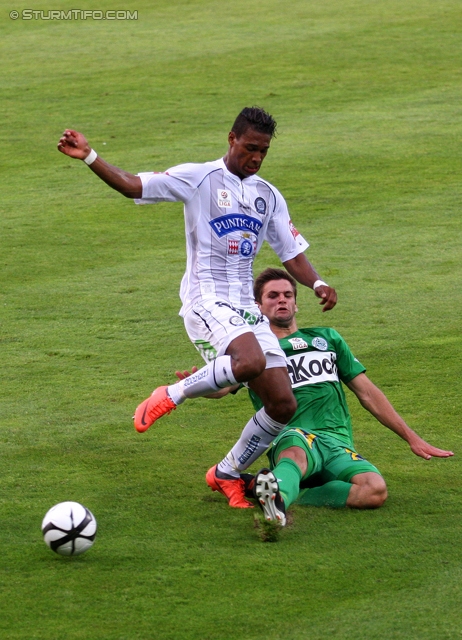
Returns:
(289, 408)
(248, 360)
(281, 408)
(247, 368)
(377, 493)
(298, 455)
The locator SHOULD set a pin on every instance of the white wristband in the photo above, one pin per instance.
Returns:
(319, 283)
(91, 157)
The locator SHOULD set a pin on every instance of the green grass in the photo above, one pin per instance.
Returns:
(367, 97)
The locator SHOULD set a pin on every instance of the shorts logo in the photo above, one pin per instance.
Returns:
(231, 222)
(224, 199)
(309, 437)
(260, 206)
(293, 230)
(250, 318)
(354, 456)
(298, 343)
(319, 343)
(236, 321)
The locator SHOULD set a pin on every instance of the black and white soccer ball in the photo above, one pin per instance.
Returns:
(69, 528)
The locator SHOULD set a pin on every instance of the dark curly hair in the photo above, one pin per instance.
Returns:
(254, 118)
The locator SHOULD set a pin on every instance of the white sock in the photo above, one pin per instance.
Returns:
(256, 437)
(215, 375)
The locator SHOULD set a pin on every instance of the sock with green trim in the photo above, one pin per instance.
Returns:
(332, 494)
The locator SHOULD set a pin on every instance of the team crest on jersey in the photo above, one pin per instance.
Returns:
(233, 247)
(319, 343)
(298, 343)
(260, 206)
(245, 247)
(224, 199)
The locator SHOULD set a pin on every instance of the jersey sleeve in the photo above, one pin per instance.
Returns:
(348, 366)
(177, 184)
(281, 233)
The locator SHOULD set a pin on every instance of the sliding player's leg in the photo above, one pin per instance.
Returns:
(350, 479)
(277, 488)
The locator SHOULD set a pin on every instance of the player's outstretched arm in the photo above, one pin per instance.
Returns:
(376, 402)
(303, 271)
(75, 145)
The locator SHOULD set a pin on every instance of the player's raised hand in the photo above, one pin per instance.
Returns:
(74, 144)
(427, 451)
(185, 374)
(328, 296)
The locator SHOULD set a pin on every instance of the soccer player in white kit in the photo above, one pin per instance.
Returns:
(229, 212)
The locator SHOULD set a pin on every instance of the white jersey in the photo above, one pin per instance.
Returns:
(227, 219)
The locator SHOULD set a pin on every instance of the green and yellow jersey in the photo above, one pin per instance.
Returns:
(318, 361)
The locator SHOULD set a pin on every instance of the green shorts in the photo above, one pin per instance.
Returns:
(328, 458)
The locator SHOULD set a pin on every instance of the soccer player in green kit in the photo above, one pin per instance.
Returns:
(313, 461)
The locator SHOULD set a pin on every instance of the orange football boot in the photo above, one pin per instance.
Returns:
(232, 488)
(157, 405)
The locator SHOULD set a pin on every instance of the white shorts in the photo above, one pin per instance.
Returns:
(214, 323)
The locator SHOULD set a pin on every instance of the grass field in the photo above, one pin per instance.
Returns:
(368, 100)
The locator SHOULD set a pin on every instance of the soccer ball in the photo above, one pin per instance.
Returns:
(69, 528)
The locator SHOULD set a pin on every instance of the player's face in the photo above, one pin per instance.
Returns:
(278, 302)
(246, 153)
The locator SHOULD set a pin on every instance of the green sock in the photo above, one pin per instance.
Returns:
(288, 475)
(332, 494)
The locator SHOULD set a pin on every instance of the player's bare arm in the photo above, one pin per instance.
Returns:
(375, 401)
(75, 145)
(304, 272)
